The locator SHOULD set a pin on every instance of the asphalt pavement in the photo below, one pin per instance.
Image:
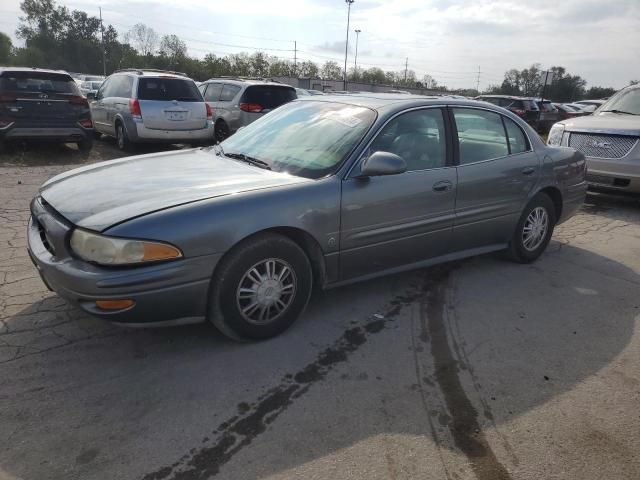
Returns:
(481, 369)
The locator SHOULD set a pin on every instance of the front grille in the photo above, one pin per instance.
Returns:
(602, 146)
(44, 238)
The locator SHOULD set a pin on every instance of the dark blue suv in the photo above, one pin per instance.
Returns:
(38, 104)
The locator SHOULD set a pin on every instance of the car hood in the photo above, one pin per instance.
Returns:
(101, 195)
(616, 123)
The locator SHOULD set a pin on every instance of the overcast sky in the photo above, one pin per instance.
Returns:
(447, 39)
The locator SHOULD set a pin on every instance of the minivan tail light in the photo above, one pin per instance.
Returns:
(251, 107)
(209, 111)
(134, 108)
(78, 100)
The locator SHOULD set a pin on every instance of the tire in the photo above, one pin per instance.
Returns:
(525, 247)
(221, 131)
(85, 145)
(235, 288)
(122, 139)
(96, 134)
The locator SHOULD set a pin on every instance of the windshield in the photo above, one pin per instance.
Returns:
(308, 139)
(624, 101)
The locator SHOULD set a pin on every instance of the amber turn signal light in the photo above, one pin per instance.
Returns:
(114, 304)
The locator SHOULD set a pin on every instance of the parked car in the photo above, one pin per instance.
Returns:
(301, 92)
(237, 102)
(525, 108)
(322, 191)
(549, 115)
(568, 111)
(610, 140)
(38, 104)
(81, 78)
(152, 106)
(90, 87)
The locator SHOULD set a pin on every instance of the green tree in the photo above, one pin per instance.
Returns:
(5, 49)
(331, 71)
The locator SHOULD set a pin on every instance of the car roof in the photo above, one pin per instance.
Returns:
(142, 72)
(510, 97)
(378, 101)
(27, 69)
(246, 81)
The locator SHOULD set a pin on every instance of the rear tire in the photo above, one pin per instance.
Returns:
(534, 230)
(96, 134)
(260, 288)
(85, 145)
(221, 131)
(122, 139)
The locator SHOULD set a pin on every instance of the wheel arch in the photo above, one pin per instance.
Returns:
(556, 197)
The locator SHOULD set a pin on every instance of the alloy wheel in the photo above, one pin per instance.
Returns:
(535, 228)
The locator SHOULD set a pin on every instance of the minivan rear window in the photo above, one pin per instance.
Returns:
(38, 82)
(168, 89)
(269, 96)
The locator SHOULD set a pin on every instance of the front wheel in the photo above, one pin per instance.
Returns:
(261, 287)
(534, 230)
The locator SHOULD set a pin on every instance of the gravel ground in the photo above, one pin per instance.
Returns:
(481, 369)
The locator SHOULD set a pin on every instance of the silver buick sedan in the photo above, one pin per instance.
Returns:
(321, 192)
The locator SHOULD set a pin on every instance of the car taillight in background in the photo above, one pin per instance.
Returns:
(86, 123)
(8, 98)
(78, 100)
(518, 111)
(251, 107)
(209, 111)
(5, 123)
(134, 108)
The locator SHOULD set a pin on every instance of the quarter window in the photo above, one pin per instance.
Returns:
(228, 93)
(481, 135)
(518, 142)
(418, 137)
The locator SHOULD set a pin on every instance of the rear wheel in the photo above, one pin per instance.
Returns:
(85, 145)
(96, 134)
(221, 131)
(261, 288)
(122, 139)
(534, 230)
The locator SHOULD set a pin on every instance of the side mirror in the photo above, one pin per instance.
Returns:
(383, 163)
(91, 95)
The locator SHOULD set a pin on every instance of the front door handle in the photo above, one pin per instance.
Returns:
(528, 170)
(442, 186)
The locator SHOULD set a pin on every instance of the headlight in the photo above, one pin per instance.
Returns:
(555, 135)
(104, 250)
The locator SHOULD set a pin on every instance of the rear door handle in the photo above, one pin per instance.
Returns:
(528, 170)
(442, 186)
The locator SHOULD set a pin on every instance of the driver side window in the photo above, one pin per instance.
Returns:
(417, 136)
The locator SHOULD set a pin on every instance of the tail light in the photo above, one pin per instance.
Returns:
(251, 107)
(134, 108)
(78, 100)
(86, 123)
(5, 123)
(209, 111)
(518, 111)
(7, 98)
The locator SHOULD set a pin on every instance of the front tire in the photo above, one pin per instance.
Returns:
(534, 230)
(261, 287)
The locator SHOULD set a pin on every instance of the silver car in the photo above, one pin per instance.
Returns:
(137, 106)
(237, 102)
(610, 139)
(321, 192)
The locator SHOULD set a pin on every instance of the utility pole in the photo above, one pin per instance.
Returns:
(478, 81)
(346, 45)
(104, 53)
(295, 58)
(406, 67)
(355, 61)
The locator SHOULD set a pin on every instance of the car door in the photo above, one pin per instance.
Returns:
(98, 110)
(497, 169)
(227, 109)
(397, 220)
(212, 95)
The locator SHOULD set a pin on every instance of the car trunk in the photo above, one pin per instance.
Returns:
(168, 103)
(40, 99)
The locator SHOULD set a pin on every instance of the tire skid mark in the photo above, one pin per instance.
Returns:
(254, 418)
(464, 426)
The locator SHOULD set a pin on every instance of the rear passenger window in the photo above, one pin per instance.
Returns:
(480, 135)
(213, 92)
(229, 92)
(418, 137)
(517, 139)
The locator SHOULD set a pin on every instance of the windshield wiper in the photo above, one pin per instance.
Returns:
(620, 111)
(247, 159)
